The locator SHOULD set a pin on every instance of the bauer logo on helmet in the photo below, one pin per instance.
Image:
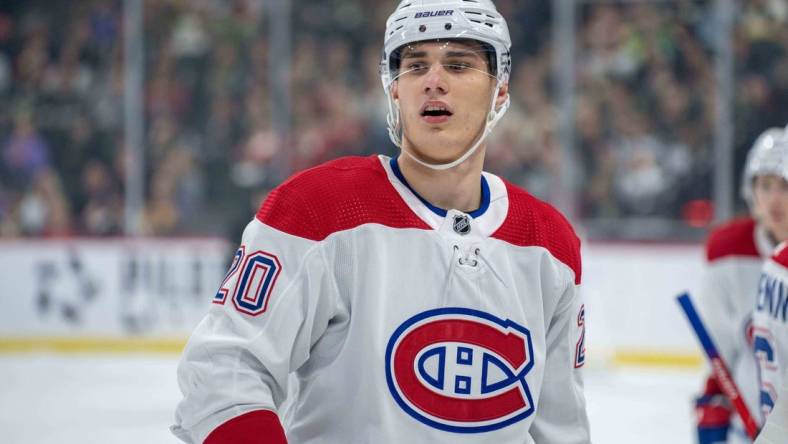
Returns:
(434, 13)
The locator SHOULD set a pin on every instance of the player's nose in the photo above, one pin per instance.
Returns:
(435, 81)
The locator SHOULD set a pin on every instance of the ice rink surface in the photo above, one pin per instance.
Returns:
(126, 399)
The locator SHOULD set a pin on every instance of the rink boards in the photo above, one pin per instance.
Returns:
(123, 295)
(116, 295)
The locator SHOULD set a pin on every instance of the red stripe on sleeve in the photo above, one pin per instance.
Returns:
(257, 427)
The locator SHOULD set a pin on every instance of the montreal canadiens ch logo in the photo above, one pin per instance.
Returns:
(461, 370)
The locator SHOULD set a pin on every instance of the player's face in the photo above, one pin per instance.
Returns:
(770, 198)
(444, 91)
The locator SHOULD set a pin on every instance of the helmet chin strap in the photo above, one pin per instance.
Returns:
(492, 119)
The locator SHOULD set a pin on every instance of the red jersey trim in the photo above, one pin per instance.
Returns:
(337, 196)
(780, 255)
(532, 222)
(734, 238)
(353, 191)
(257, 427)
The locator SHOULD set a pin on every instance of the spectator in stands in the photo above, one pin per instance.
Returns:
(103, 204)
(25, 153)
(44, 210)
(207, 71)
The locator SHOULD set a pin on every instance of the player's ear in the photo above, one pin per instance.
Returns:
(503, 94)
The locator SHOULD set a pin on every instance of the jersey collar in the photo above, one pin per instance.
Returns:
(487, 218)
(440, 211)
(763, 242)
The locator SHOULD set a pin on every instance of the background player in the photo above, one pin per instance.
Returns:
(413, 299)
(735, 252)
(770, 327)
(770, 318)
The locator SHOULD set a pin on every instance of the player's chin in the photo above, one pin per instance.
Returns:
(436, 152)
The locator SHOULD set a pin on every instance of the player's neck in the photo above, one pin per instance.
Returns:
(455, 188)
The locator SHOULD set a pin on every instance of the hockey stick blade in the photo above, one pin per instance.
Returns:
(718, 366)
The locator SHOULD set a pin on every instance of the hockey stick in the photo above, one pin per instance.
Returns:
(718, 366)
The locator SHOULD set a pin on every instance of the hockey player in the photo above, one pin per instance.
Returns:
(770, 333)
(770, 320)
(735, 253)
(407, 300)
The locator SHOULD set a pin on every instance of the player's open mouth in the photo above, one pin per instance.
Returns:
(435, 112)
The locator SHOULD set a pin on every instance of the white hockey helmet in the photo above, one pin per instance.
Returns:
(425, 20)
(767, 156)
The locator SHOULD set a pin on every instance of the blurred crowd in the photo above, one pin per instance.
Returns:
(644, 122)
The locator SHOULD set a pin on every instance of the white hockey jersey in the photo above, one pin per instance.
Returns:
(770, 321)
(387, 320)
(735, 253)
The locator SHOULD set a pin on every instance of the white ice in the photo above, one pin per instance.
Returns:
(130, 399)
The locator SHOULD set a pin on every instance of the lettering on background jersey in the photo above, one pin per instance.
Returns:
(772, 297)
(580, 347)
(764, 347)
(461, 370)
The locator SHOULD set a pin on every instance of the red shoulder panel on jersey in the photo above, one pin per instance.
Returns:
(531, 222)
(780, 255)
(734, 238)
(336, 196)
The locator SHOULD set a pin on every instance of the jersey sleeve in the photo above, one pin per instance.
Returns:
(561, 414)
(725, 293)
(716, 306)
(274, 304)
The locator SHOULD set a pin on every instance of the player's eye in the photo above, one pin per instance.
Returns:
(458, 66)
(765, 185)
(416, 66)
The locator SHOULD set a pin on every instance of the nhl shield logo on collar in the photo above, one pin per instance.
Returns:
(462, 224)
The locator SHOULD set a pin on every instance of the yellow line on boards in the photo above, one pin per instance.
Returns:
(657, 359)
(175, 346)
(92, 345)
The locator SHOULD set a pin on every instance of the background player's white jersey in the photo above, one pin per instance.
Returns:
(402, 324)
(735, 254)
(771, 327)
(776, 427)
